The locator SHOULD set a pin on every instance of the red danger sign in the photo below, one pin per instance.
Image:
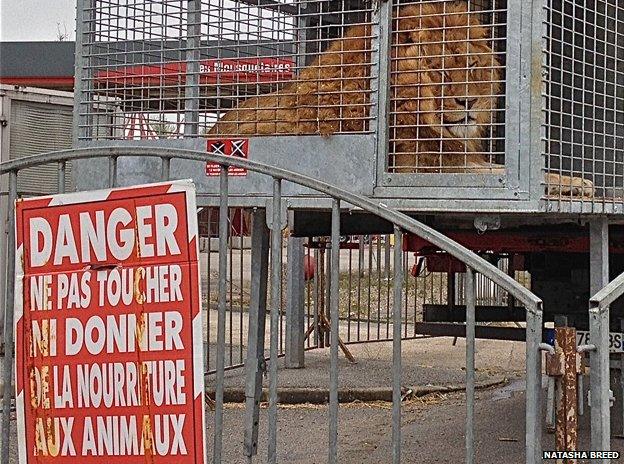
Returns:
(108, 327)
(227, 147)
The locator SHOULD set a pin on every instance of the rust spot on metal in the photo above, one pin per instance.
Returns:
(566, 432)
(555, 362)
(43, 342)
(144, 384)
(52, 436)
(148, 437)
(137, 242)
(139, 274)
(39, 387)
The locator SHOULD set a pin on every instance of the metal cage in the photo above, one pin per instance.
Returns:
(479, 105)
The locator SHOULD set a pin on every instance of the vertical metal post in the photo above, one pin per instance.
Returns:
(397, 286)
(334, 321)
(84, 32)
(61, 176)
(254, 363)
(295, 293)
(451, 284)
(387, 255)
(191, 90)
(316, 289)
(469, 293)
(165, 167)
(566, 431)
(380, 97)
(7, 366)
(599, 336)
(511, 272)
(360, 256)
(223, 242)
(598, 254)
(599, 380)
(276, 291)
(112, 171)
(533, 426)
(327, 296)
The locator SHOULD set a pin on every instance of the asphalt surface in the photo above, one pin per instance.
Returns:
(432, 431)
(432, 427)
(426, 361)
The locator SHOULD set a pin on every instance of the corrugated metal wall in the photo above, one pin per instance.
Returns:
(39, 128)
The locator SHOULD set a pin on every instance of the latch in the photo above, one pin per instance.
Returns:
(487, 222)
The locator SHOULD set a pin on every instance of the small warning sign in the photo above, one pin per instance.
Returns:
(227, 147)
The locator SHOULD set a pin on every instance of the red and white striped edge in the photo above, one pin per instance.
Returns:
(185, 186)
(198, 332)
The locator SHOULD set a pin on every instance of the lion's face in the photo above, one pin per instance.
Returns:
(446, 51)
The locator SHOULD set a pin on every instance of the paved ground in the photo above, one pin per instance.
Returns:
(433, 426)
(426, 361)
(432, 431)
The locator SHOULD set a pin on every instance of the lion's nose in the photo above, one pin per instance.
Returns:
(467, 103)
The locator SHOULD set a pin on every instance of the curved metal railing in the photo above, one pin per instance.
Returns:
(402, 223)
(599, 361)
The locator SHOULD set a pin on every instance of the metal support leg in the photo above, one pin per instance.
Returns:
(316, 292)
(328, 290)
(469, 294)
(451, 284)
(533, 386)
(276, 296)
(361, 255)
(598, 255)
(599, 336)
(387, 257)
(254, 364)
(7, 372)
(397, 285)
(295, 294)
(566, 434)
(223, 240)
(334, 298)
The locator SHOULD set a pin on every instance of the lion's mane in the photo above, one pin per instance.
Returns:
(445, 80)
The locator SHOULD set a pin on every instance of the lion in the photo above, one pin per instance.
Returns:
(445, 84)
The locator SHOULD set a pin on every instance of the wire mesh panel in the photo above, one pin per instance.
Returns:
(584, 101)
(301, 67)
(410, 89)
(448, 86)
(136, 59)
(365, 282)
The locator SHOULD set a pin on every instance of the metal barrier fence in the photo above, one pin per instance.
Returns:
(271, 227)
(365, 282)
(599, 361)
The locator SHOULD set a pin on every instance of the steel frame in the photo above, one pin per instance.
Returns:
(519, 190)
(402, 223)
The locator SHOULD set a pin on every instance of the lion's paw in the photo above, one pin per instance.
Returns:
(559, 185)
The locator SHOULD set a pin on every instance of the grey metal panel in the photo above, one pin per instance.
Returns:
(39, 128)
(346, 161)
(404, 204)
(514, 161)
(91, 174)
